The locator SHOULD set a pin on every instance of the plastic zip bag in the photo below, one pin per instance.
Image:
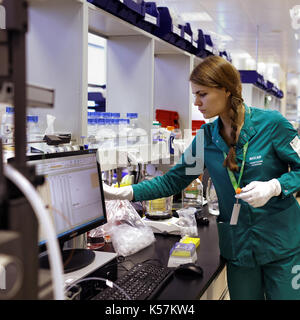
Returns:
(187, 222)
(128, 232)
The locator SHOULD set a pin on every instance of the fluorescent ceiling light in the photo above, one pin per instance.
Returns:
(296, 36)
(196, 16)
(298, 50)
(241, 55)
(295, 12)
(222, 37)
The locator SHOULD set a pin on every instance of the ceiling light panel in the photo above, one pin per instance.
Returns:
(196, 16)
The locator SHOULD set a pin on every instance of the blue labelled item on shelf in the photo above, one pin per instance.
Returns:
(204, 45)
(99, 3)
(151, 20)
(128, 10)
(186, 40)
(167, 30)
(112, 6)
(132, 11)
(252, 76)
(280, 94)
(272, 89)
(96, 101)
(225, 55)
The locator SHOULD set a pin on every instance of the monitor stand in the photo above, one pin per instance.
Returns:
(73, 259)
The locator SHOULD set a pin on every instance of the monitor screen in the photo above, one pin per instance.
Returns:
(72, 192)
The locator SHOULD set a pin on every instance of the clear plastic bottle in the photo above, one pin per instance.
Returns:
(7, 126)
(156, 132)
(133, 117)
(33, 130)
(92, 131)
(109, 135)
(99, 134)
(193, 194)
(123, 132)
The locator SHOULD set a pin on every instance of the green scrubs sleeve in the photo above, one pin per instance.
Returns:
(178, 177)
(287, 146)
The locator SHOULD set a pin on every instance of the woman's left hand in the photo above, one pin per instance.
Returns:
(258, 193)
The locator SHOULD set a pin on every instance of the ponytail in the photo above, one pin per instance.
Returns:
(230, 161)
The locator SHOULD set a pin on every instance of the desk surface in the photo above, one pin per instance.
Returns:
(185, 287)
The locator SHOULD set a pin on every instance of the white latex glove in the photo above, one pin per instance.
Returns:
(123, 193)
(258, 193)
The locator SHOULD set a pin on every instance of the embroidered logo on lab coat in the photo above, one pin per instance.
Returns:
(295, 144)
(255, 161)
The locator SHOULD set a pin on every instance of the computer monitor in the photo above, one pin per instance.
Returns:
(73, 194)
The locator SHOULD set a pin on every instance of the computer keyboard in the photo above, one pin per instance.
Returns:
(143, 282)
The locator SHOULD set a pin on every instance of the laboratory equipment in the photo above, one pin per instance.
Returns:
(193, 194)
(74, 197)
(159, 206)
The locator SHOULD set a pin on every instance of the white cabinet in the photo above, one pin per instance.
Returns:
(143, 71)
(218, 289)
(253, 96)
(56, 58)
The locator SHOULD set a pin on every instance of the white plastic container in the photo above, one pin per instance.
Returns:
(106, 136)
(33, 129)
(133, 117)
(7, 126)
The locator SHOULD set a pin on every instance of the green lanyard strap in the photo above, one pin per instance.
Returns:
(230, 173)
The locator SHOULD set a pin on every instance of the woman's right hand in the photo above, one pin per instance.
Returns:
(123, 193)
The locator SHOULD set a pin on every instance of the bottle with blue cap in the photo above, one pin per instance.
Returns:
(33, 131)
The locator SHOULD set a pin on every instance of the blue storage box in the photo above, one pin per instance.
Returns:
(203, 49)
(224, 55)
(151, 21)
(252, 76)
(100, 101)
(99, 3)
(131, 11)
(167, 31)
(280, 94)
(112, 6)
(125, 9)
(270, 87)
(186, 40)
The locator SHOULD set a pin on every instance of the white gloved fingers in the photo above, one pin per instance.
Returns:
(250, 186)
(123, 193)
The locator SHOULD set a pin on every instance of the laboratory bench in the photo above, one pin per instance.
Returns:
(211, 286)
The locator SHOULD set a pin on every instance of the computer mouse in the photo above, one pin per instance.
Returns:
(190, 269)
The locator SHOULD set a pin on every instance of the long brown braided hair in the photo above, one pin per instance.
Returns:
(217, 72)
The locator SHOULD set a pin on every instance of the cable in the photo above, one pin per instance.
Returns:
(44, 220)
(108, 283)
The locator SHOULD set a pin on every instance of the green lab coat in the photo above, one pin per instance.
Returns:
(263, 234)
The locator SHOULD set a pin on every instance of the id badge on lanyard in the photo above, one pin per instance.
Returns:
(236, 185)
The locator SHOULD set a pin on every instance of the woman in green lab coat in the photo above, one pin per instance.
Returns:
(252, 149)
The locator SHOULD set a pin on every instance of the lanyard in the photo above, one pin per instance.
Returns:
(230, 173)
